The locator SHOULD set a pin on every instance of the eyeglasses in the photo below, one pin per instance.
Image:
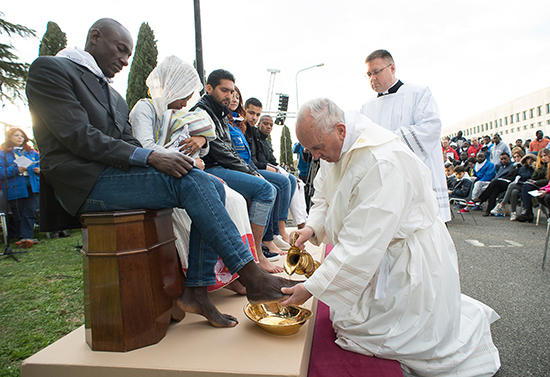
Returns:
(370, 74)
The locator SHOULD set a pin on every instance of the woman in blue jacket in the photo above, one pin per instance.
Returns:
(19, 164)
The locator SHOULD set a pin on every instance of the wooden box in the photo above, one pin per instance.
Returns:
(132, 278)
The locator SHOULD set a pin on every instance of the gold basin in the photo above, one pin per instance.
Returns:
(277, 319)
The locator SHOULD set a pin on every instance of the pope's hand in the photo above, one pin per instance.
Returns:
(304, 234)
(298, 295)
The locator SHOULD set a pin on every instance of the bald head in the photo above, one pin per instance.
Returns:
(110, 44)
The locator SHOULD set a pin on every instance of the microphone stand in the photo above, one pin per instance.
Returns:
(8, 252)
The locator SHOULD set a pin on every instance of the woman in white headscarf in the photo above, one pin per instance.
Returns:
(161, 123)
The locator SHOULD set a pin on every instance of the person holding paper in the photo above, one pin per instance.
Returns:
(19, 172)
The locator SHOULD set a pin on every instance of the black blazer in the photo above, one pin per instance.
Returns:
(77, 133)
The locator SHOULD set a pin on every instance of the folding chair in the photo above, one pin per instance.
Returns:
(465, 203)
(4, 212)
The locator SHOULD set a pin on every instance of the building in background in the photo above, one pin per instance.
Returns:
(519, 119)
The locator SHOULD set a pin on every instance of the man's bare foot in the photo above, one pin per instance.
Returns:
(268, 266)
(236, 286)
(196, 300)
(261, 286)
(273, 248)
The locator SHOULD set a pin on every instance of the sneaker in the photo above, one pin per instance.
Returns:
(498, 209)
(471, 203)
(24, 243)
(513, 216)
(280, 243)
(477, 208)
(464, 210)
(272, 257)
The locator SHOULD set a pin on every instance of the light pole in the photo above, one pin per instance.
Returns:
(303, 69)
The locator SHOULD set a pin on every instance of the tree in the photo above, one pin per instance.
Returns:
(286, 147)
(53, 41)
(145, 60)
(13, 74)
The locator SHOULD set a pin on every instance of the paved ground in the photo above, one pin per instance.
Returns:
(500, 264)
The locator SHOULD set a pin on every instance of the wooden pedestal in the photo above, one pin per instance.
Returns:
(132, 278)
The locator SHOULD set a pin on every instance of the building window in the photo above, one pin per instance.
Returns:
(505, 121)
(500, 121)
(531, 113)
(491, 123)
(539, 111)
(517, 117)
(524, 127)
(548, 108)
(478, 126)
(506, 131)
(519, 128)
(511, 119)
(524, 115)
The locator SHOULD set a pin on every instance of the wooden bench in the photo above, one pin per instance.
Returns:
(132, 278)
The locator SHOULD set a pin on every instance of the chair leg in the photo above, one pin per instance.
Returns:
(4, 227)
(546, 242)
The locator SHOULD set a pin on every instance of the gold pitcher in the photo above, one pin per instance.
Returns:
(300, 262)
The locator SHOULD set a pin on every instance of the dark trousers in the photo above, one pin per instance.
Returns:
(24, 215)
(492, 192)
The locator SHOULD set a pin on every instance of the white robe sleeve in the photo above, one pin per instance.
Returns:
(374, 212)
(422, 137)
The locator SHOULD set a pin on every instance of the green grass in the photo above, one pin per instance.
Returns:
(41, 299)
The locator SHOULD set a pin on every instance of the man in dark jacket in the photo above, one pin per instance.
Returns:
(91, 162)
(225, 162)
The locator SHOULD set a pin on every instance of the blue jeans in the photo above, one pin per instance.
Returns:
(285, 190)
(259, 191)
(202, 196)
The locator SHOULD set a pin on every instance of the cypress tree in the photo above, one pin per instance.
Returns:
(53, 41)
(286, 147)
(145, 60)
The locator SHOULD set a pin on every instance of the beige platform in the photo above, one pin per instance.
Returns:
(191, 348)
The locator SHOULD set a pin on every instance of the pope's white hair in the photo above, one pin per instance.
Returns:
(326, 114)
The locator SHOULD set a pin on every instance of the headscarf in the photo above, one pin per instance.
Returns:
(171, 80)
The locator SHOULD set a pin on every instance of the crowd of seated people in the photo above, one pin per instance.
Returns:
(498, 189)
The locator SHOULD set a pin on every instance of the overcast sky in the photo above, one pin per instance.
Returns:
(474, 55)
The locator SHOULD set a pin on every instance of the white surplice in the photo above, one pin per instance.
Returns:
(391, 280)
(412, 113)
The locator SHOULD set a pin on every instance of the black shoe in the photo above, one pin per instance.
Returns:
(525, 217)
(64, 234)
(54, 235)
(272, 257)
(485, 214)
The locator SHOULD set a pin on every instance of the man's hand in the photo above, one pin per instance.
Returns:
(21, 169)
(271, 169)
(174, 164)
(298, 295)
(191, 145)
(304, 234)
(542, 193)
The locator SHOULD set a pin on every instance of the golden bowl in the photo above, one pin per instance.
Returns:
(277, 319)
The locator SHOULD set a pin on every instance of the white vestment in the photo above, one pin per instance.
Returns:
(391, 280)
(412, 113)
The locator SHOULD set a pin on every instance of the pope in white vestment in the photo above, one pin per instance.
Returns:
(391, 280)
(412, 114)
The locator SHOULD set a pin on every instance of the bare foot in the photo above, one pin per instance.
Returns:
(261, 286)
(268, 266)
(236, 286)
(273, 248)
(196, 300)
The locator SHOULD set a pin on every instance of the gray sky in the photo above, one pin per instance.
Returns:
(474, 55)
